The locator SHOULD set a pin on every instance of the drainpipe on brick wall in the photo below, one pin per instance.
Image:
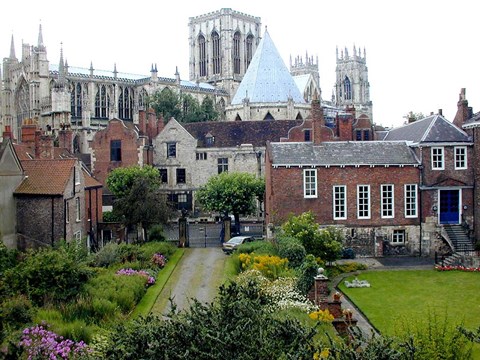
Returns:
(65, 219)
(53, 221)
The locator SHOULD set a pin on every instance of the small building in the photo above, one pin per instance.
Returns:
(11, 175)
(50, 203)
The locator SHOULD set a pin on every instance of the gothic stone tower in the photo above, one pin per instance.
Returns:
(25, 85)
(222, 44)
(352, 87)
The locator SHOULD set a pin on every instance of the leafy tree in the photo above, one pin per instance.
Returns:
(232, 193)
(208, 111)
(411, 116)
(191, 109)
(166, 103)
(236, 326)
(324, 243)
(138, 196)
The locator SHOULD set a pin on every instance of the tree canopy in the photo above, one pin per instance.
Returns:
(138, 199)
(232, 193)
(184, 107)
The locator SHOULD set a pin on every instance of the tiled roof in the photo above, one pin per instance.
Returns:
(27, 152)
(432, 129)
(267, 78)
(235, 133)
(90, 181)
(339, 153)
(45, 177)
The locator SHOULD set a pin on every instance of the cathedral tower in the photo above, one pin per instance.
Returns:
(222, 44)
(352, 87)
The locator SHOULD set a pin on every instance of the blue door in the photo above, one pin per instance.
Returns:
(449, 206)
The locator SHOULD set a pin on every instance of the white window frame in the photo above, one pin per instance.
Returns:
(77, 235)
(438, 158)
(398, 237)
(77, 175)
(363, 202)
(78, 209)
(411, 202)
(67, 212)
(387, 203)
(339, 202)
(310, 183)
(460, 157)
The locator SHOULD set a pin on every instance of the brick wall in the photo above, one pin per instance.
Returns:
(131, 149)
(285, 192)
(34, 220)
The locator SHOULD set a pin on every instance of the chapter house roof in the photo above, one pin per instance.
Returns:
(267, 79)
(432, 129)
(236, 133)
(340, 153)
(46, 177)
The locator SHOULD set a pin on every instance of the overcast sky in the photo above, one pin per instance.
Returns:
(419, 53)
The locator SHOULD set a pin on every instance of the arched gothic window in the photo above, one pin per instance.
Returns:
(101, 103)
(249, 49)
(202, 56)
(347, 89)
(76, 101)
(236, 53)
(142, 99)
(216, 53)
(125, 104)
(22, 105)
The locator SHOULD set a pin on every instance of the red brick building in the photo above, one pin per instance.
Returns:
(390, 196)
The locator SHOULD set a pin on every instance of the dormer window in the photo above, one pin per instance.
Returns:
(209, 139)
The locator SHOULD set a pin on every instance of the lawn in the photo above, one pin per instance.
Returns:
(396, 298)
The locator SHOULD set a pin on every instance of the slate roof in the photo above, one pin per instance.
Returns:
(432, 129)
(474, 121)
(267, 78)
(45, 177)
(235, 133)
(340, 153)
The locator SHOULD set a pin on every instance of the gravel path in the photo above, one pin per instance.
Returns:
(198, 275)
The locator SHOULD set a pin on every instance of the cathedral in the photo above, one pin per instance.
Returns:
(231, 61)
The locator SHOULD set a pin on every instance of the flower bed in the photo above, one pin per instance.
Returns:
(457, 268)
(129, 272)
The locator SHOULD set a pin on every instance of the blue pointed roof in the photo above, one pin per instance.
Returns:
(267, 78)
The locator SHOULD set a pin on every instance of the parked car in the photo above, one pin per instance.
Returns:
(234, 242)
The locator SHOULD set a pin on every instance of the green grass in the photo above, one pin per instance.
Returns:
(396, 298)
(144, 307)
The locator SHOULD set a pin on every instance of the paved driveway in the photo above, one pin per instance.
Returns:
(198, 275)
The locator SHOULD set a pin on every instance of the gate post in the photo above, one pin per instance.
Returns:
(183, 231)
(226, 227)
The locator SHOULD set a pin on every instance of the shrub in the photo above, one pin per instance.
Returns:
(308, 270)
(258, 247)
(130, 253)
(155, 233)
(291, 249)
(123, 291)
(106, 256)
(8, 258)
(151, 248)
(15, 312)
(270, 266)
(47, 275)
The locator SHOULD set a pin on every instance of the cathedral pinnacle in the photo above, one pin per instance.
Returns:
(12, 49)
(40, 38)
